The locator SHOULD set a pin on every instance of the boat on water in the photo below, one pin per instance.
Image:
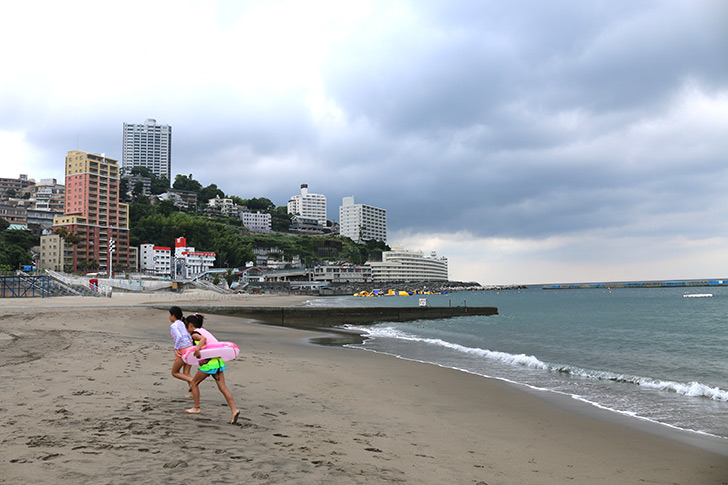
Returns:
(698, 295)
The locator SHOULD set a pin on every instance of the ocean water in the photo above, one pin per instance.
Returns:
(648, 353)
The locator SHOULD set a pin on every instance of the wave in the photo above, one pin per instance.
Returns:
(691, 389)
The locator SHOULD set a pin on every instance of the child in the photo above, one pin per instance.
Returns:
(182, 340)
(212, 367)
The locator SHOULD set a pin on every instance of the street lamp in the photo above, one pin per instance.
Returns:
(112, 248)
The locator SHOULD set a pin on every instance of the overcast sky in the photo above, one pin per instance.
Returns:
(526, 141)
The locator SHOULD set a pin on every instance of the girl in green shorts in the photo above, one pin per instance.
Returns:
(212, 367)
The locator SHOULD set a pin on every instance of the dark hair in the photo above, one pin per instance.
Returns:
(176, 312)
(195, 320)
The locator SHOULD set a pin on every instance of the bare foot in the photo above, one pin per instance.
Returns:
(235, 417)
(193, 411)
(189, 395)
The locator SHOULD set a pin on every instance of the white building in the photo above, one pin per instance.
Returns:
(401, 264)
(256, 221)
(343, 274)
(189, 263)
(156, 260)
(226, 206)
(308, 205)
(307, 225)
(361, 222)
(148, 145)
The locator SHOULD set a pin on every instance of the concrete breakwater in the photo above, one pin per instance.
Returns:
(317, 317)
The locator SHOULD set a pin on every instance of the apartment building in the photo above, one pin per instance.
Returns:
(52, 251)
(14, 214)
(50, 195)
(148, 145)
(361, 222)
(13, 187)
(256, 221)
(308, 205)
(94, 213)
(226, 206)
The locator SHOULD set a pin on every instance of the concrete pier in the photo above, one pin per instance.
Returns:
(317, 317)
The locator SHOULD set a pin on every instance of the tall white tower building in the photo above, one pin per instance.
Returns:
(148, 145)
(308, 205)
(361, 222)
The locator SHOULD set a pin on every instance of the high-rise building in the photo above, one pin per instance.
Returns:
(93, 213)
(148, 145)
(308, 205)
(361, 222)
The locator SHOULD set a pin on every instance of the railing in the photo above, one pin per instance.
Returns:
(22, 285)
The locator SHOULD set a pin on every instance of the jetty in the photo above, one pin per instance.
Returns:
(318, 317)
(638, 284)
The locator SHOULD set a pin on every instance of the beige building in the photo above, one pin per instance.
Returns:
(51, 252)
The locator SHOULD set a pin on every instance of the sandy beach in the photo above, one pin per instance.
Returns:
(87, 397)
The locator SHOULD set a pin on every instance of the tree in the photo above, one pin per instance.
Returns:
(208, 193)
(260, 204)
(183, 182)
(166, 207)
(229, 276)
(159, 185)
(143, 171)
(280, 219)
(138, 189)
(15, 248)
(123, 190)
(70, 238)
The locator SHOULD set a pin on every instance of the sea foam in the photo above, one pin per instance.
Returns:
(691, 389)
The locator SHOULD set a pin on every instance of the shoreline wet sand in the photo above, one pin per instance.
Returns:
(87, 397)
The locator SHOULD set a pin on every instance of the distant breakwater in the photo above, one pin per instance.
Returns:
(637, 284)
(316, 317)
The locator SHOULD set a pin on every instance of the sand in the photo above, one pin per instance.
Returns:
(87, 397)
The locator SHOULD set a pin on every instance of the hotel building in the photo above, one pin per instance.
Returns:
(156, 260)
(399, 265)
(361, 222)
(308, 205)
(94, 213)
(148, 145)
(189, 263)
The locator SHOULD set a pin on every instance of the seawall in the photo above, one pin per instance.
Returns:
(332, 316)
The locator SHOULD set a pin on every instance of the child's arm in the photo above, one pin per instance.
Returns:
(200, 344)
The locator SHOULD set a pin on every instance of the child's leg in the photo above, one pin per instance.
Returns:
(177, 366)
(195, 388)
(187, 370)
(220, 379)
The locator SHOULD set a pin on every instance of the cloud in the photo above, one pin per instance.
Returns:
(551, 135)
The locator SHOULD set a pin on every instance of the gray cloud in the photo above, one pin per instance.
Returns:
(525, 120)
